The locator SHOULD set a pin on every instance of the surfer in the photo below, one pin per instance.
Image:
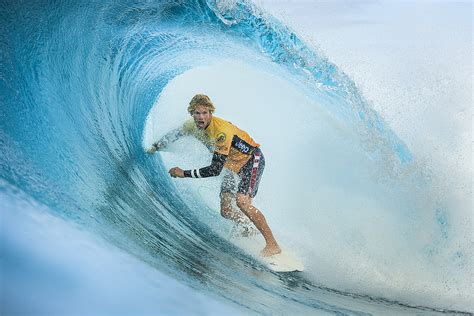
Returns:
(235, 153)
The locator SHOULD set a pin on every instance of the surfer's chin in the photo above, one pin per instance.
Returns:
(201, 125)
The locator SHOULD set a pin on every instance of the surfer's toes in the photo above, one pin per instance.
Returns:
(270, 251)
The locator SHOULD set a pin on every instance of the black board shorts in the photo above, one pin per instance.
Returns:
(248, 179)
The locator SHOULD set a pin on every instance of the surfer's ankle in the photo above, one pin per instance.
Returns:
(270, 250)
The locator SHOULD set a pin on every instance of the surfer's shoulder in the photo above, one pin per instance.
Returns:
(189, 126)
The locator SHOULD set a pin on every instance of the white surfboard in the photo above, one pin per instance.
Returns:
(285, 261)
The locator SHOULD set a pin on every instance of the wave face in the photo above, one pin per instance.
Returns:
(85, 86)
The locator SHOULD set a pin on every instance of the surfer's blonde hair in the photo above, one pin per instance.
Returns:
(200, 99)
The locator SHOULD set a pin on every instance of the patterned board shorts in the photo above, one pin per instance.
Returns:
(247, 180)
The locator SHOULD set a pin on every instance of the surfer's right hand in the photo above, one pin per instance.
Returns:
(153, 149)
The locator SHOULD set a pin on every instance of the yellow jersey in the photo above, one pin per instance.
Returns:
(222, 137)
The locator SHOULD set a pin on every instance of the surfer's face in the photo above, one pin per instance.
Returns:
(202, 116)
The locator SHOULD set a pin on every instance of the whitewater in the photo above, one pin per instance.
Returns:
(368, 156)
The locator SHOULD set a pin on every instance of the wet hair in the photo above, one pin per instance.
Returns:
(200, 99)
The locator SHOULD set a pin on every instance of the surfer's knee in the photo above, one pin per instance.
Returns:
(226, 211)
(244, 203)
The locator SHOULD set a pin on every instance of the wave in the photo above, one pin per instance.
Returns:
(86, 86)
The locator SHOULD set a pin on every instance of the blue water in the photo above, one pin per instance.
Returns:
(78, 83)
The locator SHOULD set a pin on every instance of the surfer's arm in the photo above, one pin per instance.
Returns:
(218, 161)
(169, 138)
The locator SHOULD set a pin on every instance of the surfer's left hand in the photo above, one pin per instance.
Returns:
(176, 172)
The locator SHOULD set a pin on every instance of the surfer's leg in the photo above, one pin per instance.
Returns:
(228, 191)
(227, 210)
(244, 202)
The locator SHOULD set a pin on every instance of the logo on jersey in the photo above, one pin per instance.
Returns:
(220, 138)
(242, 147)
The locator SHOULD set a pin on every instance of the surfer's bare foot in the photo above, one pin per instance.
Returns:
(270, 250)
